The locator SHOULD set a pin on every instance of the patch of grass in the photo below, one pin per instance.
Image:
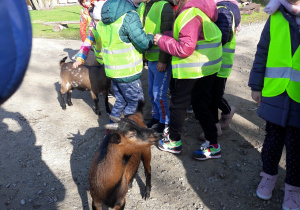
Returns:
(257, 17)
(61, 13)
(71, 13)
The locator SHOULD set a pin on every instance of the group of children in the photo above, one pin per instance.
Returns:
(191, 52)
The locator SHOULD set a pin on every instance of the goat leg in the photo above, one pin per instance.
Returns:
(146, 158)
(105, 96)
(63, 103)
(69, 98)
(96, 100)
(96, 206)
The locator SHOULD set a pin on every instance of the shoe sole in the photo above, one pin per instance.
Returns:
(171, 151)
(211, 157)
(286, 208)
(262, 196)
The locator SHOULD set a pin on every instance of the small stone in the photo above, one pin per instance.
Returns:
(8, 185)
(22, 202)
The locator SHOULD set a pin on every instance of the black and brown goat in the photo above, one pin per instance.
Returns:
(83, 78)
(117, 160)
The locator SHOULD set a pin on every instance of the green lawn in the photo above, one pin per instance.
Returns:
(61, 13)
(71, 13)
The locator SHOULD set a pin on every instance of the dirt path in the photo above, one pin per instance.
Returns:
(45, 152)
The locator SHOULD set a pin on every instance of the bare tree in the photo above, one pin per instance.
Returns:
(42, 4)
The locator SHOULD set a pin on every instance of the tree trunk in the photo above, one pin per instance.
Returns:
(41, 4)
(35, 5)
(51, 3)
(47, 4)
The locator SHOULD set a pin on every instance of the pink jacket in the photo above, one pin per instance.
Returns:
(191, 32)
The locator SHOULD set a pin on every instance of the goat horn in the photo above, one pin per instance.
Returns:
(112, 126)
(114, 119)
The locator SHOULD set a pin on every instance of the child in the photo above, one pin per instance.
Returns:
(196, 58)
(85, 17)
(275, 85)
(123, 41)
(229, 18)
(92, 39)
(157, 17)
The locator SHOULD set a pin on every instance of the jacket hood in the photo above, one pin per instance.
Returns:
(207, 6)
(113, 9)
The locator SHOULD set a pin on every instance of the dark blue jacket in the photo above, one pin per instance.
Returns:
(224, 21)
(15, 42)
(131, 30)
(281, 110)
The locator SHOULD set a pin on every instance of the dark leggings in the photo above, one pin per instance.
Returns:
(185, 92)
(276, 138)
(218, 101)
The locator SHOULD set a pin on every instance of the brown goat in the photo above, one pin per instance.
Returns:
(117, 160)
(91, 78)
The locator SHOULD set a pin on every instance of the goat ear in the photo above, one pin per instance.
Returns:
(131, 134)
(115, 138)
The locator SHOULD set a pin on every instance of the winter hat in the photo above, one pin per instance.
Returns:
(97, 10)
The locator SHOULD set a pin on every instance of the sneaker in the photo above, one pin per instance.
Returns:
(110, 95)
(166, 144)
(207, 151)
(225, 119)
(190, 110)
(291, 198)
(266, 186)
(152, 122)
(219, 132)
(160, 128)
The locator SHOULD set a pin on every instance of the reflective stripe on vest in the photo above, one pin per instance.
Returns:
(152, 25)
(120, 59)
(282, 70)
(207, 57)
(228, 52)
(97, 46)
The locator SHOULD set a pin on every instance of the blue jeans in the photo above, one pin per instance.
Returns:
(127, 96)
(158, 86)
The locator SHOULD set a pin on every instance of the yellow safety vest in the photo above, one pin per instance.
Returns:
(228, 53)
(282, 69)
(207, 57)
(152, 25)
(120, 59)
(97, 46)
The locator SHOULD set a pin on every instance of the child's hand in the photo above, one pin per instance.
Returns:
(161, 66)
(76, 64)
(256, 96)
(156, 38)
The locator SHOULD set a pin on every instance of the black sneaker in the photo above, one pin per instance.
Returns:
(152, 122)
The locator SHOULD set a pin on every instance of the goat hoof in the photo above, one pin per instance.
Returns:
(64, 107)
(70, 104)
(147, 195)
(97, 112)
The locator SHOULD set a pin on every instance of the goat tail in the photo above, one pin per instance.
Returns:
(140, 106)
(63, 61)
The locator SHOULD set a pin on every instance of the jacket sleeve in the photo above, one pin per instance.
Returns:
(187, 40)
(82, 26)
(257, 74)
(134, 30)
(167, 20)
(85, 47)
(224, 23)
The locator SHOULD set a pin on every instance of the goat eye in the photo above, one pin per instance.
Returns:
(131, 134)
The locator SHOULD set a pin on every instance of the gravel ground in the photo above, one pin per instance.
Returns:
(46, 153)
